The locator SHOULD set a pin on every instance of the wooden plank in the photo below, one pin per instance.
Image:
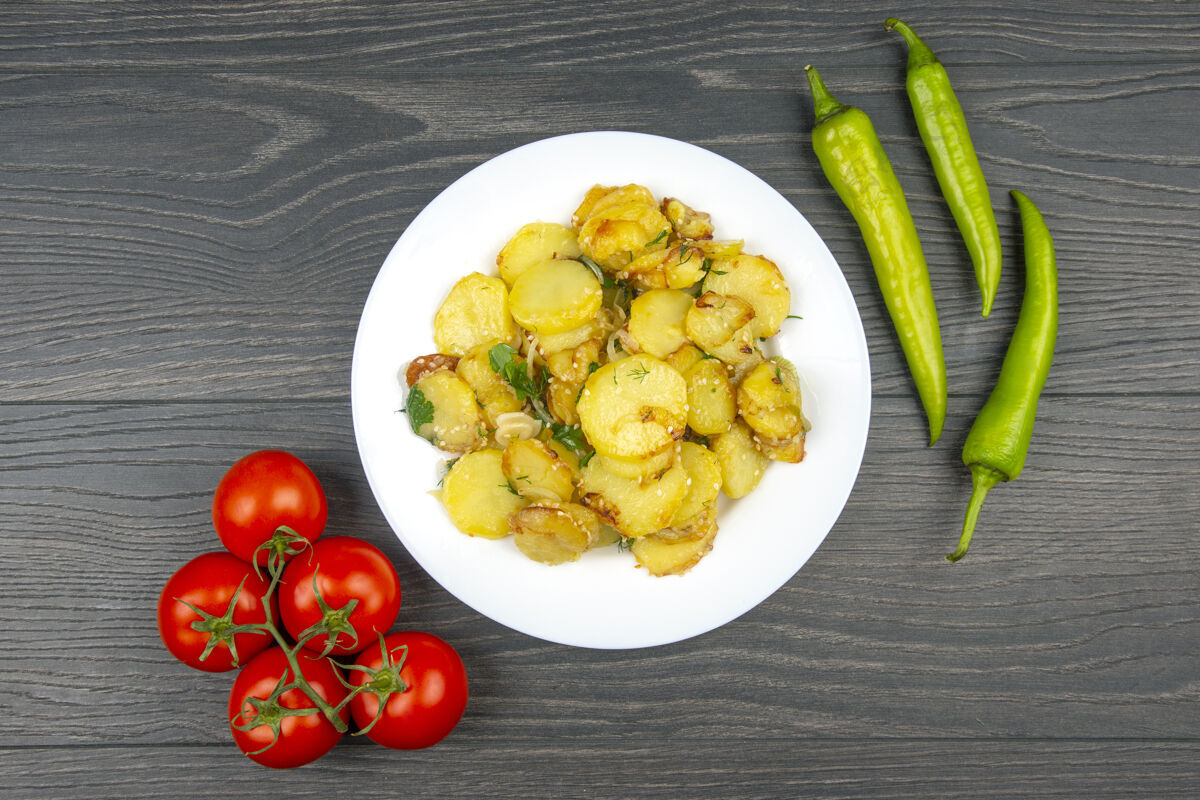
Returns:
(618, 768)
(1077, 610)
(186, 238)
(436, 36)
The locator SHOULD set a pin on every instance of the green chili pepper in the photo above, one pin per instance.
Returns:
(996, 446)
(854, 162)
(943, 129)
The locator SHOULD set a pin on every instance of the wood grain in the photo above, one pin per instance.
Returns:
(196, 197)
(1062, 620)
(239, 270)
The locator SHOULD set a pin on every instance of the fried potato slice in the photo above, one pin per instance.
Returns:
(477, 495)
(633, 408)
(537, 472)
(555, 296)
(533, 244)
(475, 311)
(554, 533)
(711, 401)
(656, 321)
(661, 556)
(456, 422)
(742, 465)
(768, 399)
(758, 281)
(634, 508)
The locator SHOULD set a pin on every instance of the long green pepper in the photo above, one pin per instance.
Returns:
(999, 439)
(855, 164)
(943, 129)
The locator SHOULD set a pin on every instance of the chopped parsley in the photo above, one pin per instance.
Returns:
(501, 357)
(419, 409)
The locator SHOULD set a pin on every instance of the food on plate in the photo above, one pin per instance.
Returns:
(998, 441)
(857, 167)
(610, 384)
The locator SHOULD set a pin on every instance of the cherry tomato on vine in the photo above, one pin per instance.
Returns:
(209, 582)
(289, 739)
(260, 493)
(425, 696)
(346, 569)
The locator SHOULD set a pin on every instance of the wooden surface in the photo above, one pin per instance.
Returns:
(195, 199)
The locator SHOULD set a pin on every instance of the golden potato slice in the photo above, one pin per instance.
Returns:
(537, 472)
(685, 358)
(614, 236)
(699, 506)
(768, 399)
(533, 244)
(656, 321)
(640, 469)
(788, 450)
(475, 311)
(714, 318)
(633, 408)
(568, 340)
(758, 281)
(661, 556)
(599, 198)
(742, 465)
(574, 365)
(493, 392)
(443, 410)
(633, 508)
(477, 495)
(687, 222)
(555, 296)
(711, 402)
(679, 267)
(554, 533)
(560, 400)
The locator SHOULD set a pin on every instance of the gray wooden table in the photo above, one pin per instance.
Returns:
(195, 199)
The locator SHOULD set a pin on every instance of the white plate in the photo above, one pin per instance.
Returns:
(603, 600)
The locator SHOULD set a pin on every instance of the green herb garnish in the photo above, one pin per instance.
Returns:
(527, 387)
(419, 410)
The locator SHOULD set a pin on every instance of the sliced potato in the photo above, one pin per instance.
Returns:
(768, 399)
(555, 296)
(456, 422)
(494, 394)
(679, 267)
(742, 465)
(656, 321)
(574, 365)
(633, 508)
(533, 244)
(475, 311)
(640, 469)
(687, 222)
(759, 282)
(699, 506)
(614, 236)
(560, 400)
(711, 402)
(554, 533)
(477, 495)
(599, 198)
(633, 408)
(536, 472)
(685, 358)
(569, 340)
(714, 319)
(788, 450)
(661, 556)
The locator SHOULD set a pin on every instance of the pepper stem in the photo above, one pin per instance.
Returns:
(983, 478)
(919, 53)
(824, 103)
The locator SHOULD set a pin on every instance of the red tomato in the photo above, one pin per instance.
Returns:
(300, 739)
(432, 702)
(261, 492)
(209, 583)
(346, 569)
